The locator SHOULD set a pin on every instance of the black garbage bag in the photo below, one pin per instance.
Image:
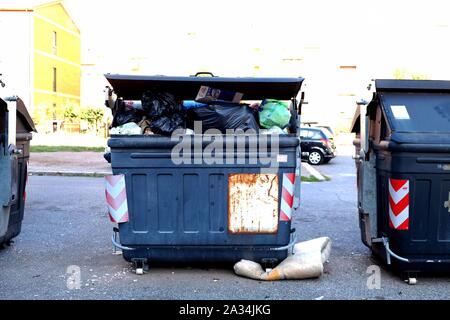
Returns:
(293, 122)
(224, 116)
(166, 125)
(107, 156)
(156, 104)
(125, 113)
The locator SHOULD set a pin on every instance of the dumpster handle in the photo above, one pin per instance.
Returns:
(205, 73)
(389, 252)
(118, 245)
(290, 245)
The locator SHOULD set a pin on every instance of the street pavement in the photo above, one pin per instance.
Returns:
(68, 163)
(66, 225)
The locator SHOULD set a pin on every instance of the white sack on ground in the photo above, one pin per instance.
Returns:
(306, 262)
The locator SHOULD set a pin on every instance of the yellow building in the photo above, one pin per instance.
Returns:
(43, 64)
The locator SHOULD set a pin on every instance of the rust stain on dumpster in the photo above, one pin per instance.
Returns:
(252, 203)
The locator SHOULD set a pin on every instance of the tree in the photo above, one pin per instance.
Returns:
(70, 114)
(92, 116)
(419, 76)
(400, 74)
(405, 74)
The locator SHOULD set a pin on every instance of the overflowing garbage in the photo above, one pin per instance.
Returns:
(128, 128)
(225, 115)
(274, 113)
(220, 110)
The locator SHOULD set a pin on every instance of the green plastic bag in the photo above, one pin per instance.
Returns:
(274, 113)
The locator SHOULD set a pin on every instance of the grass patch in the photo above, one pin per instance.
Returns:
(70, 174)
(314, 179)
(65, 149)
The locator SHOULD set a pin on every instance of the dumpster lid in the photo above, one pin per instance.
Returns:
(392, 85)
(186, 88)
(23, 114)
(355, 126)
(417, 112)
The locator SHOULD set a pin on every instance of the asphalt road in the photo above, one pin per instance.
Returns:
(66, 225)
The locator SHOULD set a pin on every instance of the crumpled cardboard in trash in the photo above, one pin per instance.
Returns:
(306, 262)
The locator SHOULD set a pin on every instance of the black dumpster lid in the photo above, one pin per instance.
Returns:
(186, 88)
(390, 85)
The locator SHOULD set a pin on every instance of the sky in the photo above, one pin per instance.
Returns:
(313, 39)
(274, 38)
(235, 36)
(287, 38)
(263, 37)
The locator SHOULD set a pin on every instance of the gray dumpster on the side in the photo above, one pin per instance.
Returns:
(403, 170)
(16, 126)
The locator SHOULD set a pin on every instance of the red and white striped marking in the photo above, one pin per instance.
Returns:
(399, 204)
(287, 196)
(116, 198)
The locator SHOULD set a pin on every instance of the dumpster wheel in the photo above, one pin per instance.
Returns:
(6, 244)
(410, 278)
(140, 266)
(139, 271)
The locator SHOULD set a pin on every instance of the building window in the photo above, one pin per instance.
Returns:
(54, 79)
(54, 42)
(348, 83)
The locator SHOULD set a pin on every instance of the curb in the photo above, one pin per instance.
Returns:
(69, 174)
(313, 172)
(316, 174)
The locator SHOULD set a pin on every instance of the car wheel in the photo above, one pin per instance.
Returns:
(315, 158)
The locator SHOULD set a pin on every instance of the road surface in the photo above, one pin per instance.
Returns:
(66, 225)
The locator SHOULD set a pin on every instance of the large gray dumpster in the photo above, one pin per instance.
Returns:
(199, 211)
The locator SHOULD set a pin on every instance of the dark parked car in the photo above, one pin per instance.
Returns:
(317, 145)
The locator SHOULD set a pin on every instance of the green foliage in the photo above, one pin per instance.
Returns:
(401, 74)
(419, 76)
(39, 148)
(92, 115)
(314, 179)
(70, 113)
